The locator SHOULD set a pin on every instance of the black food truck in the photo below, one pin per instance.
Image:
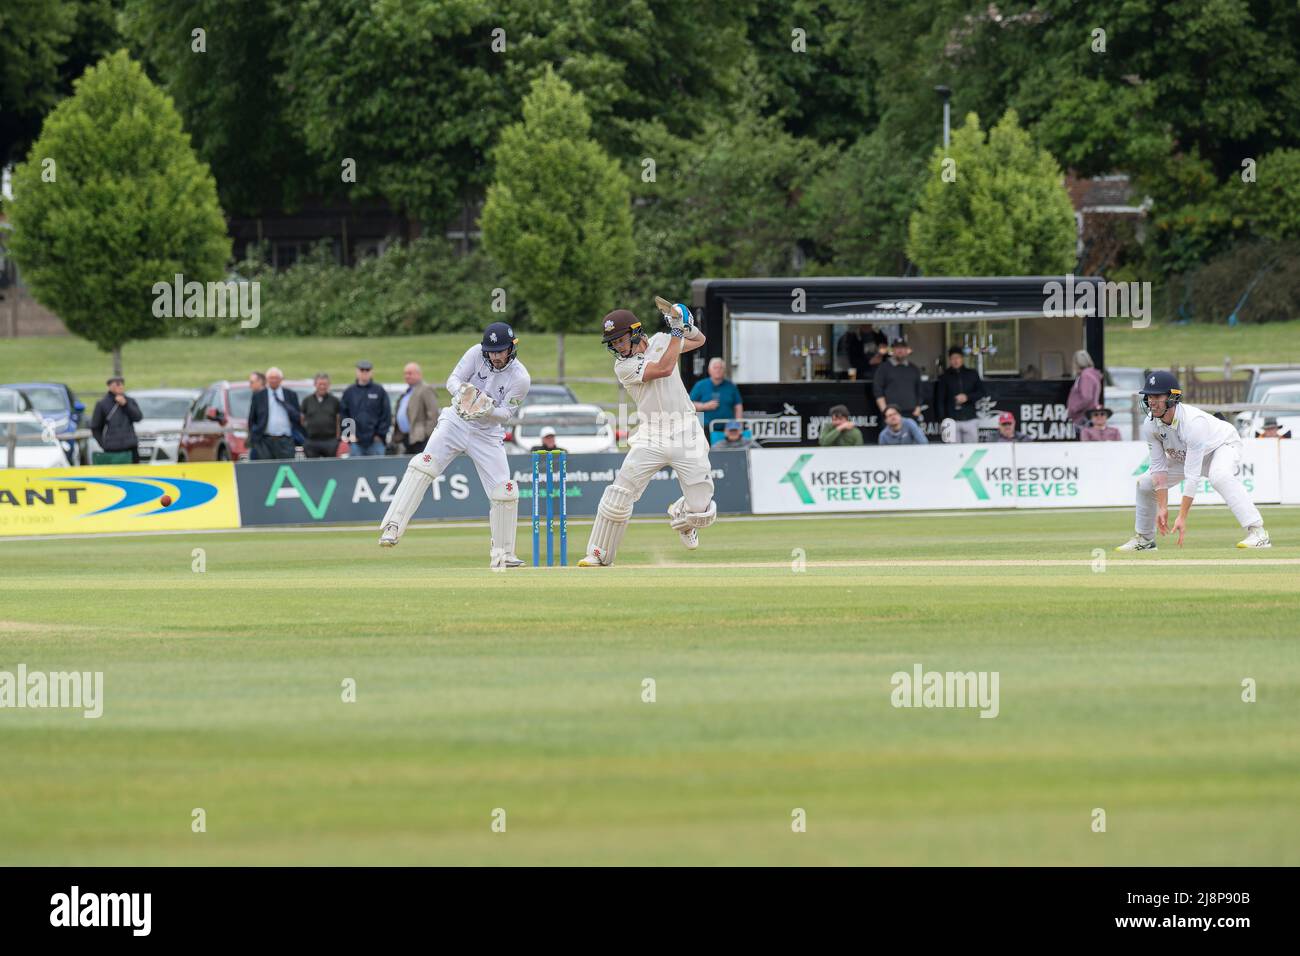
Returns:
(783, 342)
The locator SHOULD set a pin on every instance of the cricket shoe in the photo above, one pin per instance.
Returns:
(506, 559)
(388, 536)
(1256, 537)
(1138, 543)
(690, 538)
(596, 559)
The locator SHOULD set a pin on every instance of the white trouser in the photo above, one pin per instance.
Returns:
(1220, 467)
(486, 449)
(965, 433)
(689, 458)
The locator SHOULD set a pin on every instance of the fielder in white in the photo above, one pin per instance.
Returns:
(487, 386)
(668, 432)
(1187, 444)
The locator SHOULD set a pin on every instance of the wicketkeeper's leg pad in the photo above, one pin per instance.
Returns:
(420, 472)
(612, 515)
(503, 519)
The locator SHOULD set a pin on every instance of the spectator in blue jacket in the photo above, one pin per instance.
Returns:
(365, 406)
(899, 430)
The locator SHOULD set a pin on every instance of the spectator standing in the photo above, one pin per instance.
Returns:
(113, 423)
(717, 396)
(320, 420)
(1099, 429)
(898, 382)
(256, 382)
(955, 395)
(899, 430)
(274, 418)
(1007, 429)
(417, 412)
(1085, 394)
(840, 430)
(365, 406)
(733, 437)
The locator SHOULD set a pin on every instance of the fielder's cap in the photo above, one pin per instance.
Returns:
(116, 378)
(364, 365)
(734, 426)
(899, 342)
(1100, 410)
(547, 432)
(1006, 418)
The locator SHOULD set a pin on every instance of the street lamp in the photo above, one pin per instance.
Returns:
(946, 94)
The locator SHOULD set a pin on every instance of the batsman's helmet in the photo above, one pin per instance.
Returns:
(499, 337)
(618, 323)
(1160, 383)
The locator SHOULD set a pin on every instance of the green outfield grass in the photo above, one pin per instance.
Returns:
(1119, 689)
(1161, 346)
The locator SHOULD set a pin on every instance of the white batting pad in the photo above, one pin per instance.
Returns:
(503, 519)
(419, 475)
(612, 516)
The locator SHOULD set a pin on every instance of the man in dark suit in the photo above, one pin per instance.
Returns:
(274, 419)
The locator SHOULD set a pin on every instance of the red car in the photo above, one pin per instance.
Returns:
(216, 428)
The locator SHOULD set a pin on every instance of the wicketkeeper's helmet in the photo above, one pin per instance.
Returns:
(618, 323)
(1160, 383)
(499, 337)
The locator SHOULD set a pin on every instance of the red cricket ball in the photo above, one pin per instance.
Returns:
(166, 500)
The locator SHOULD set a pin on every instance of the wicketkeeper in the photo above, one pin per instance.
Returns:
(487, 386)
(668, 431)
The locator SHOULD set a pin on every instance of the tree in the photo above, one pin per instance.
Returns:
(1005, 212)
(811, 65)
(857, 209)
(44, 46)
(724, 203)
(558, 218)
(417, 92)
(227, 94)
(111, 201)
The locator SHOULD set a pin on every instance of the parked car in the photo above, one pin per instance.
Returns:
(29, 424)
(550, 395)
(12, 400)
(216, 427)
(1126, 378)
(578, 428)
(1249, 424)
(58, 405)
(164, 411)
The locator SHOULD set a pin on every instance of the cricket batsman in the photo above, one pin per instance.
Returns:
(487, 387)
(1187, 443)
(668, 431)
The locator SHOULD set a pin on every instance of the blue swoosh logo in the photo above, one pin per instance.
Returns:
(188, 494)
